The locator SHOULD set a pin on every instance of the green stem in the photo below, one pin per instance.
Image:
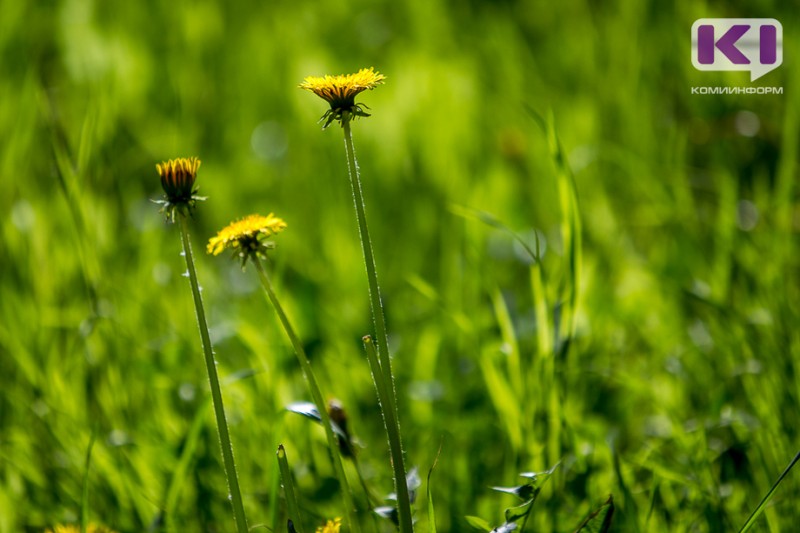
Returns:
(216, 392)
(390, 420)
(382, 375)
(316, 395)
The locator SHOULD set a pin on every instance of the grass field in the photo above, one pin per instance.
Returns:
(625, 307)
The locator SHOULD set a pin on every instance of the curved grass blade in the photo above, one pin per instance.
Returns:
(570, 226)
(478, 523)
(493, 222)
(538, 478)
(758, 510)
(598, 521)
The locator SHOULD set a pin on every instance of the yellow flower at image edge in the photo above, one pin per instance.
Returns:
(332, 526)
(340, 91)
(177, 180)
(246, 236)
(91, 528)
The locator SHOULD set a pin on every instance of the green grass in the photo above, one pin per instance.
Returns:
(678, 393)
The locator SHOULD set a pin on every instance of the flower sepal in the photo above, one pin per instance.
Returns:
(343, 115)
(184, 208)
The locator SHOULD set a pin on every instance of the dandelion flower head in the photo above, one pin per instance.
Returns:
(177, 180)
(332, 526)
(246, 237)
(340, 91)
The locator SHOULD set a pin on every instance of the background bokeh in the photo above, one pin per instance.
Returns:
(678, 393)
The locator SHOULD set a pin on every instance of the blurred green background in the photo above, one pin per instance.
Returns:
(678, 393)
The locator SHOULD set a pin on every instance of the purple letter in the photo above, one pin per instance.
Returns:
(768, 45)
(727, 44)
(705, 44)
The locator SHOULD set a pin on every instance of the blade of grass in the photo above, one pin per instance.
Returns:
(493, 222)
(509, 336)
(599, 520)
(388, 413)
(570, 227)
(388, 402)
(758, 510)
(69, 180)
(85, 492)
(431, 510)
(316, 395)
(274, 507)
(570, 233)
(506, 404)
(544, 336)
(631, 514)
(185, 459)
(288, 489)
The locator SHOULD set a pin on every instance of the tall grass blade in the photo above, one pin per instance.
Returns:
(570, 234)
(316, 395)
(431, 508)
(758, 510)
(85, 492)
(179, 474)
(510, 343)
(288, 489)
(389, 400)
(544, 334)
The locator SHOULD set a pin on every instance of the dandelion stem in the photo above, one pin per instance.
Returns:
(384, 381)
(316, 394)
(213, 379)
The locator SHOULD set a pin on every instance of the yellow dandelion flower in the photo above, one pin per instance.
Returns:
(177, 180)
(333, 526)
(246, 236)
(340, 92)
(73, 528)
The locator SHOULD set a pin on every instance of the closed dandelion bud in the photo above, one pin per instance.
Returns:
(177, 180)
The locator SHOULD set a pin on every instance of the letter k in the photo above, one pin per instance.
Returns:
(726, 44)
